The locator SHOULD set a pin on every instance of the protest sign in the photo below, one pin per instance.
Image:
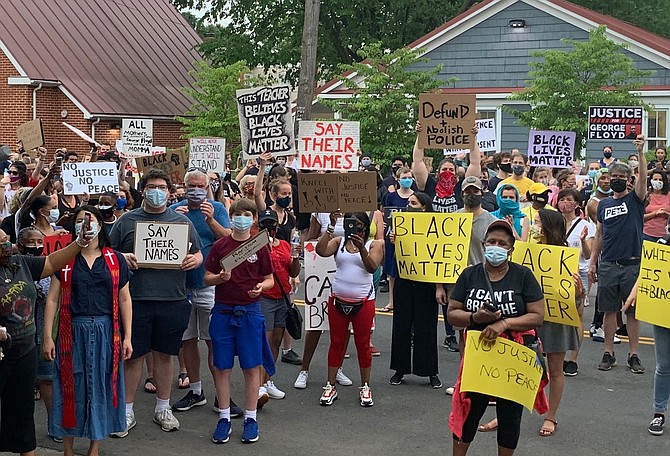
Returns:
(502, 369)
(30, 134)
(552, 149)
(446, 121)
(319, 276)
(616, 123)
(431, 247)
(161, 245)
(173, 162)
(208, 154)
(329, 145)
(81, 134)
(55, 242)
(553, 267)
(137, 137)
(245, 251)
(265, 121)
(348, 192)
(92, 178)
(486, 138)
(653, 289)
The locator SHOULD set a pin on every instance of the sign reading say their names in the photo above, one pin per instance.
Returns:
(553, 267)
(265, 121)
(208, 154)
(30, 134)
(173, 162)
(486, 138)
(501, 368)
(245, 251)
(348, 192)
(137, 137)
(319, 276)
(432, 247)
(92, 178)
(329, 145)
(617, 123)
(552, 149)
(446, 121)
(161, 245)
(653, 289)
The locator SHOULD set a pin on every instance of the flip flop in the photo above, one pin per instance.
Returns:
(183, 381)
(385, 309)
(490, 426)
(545, 431)
(149, 386)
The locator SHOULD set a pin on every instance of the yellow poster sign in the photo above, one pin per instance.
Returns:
(553, 267)
(431, 247)
(653, 289)
(502, 369)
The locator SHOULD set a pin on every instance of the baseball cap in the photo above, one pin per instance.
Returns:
(537, 188)
(266, 217)
(500, 224)
(471, 181)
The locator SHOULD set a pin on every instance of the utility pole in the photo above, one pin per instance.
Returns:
(310, 38)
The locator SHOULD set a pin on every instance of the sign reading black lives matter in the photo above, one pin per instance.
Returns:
(161, 245)
(552, 149)
(615, 123)
(265, 121)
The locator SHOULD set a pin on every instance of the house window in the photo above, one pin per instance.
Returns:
(487, 115)
(657, 128)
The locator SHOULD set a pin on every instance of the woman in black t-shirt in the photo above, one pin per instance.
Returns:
(519, 301)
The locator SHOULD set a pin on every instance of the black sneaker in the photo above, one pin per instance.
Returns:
(634, 364)
(291, 357)
(396, 379)
(189, 401)
(570, 368)
(607, 363)
(235, 411)
(622, 331)
(450, 343)
(656, 425)
(435, 382)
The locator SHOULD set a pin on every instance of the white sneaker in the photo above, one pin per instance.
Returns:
(301, 381)
(130, 423)
(166, 420)
(343, 379)
(366, 396)
(273, 391)
(450, 390)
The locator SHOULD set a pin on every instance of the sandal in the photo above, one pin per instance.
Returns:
(490, 426)
(548, 432)
(150, 386)
(183, 381)
(385, 309)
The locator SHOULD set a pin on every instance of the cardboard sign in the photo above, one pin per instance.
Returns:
(265, 121)
(137, 137)
(245, 251)
(653, 289)
(82, 135)
(501, 369)
(615, 123)
(486, 138)
(55, 242)
(446, 121)
(208, 154)
(319, 276)
(431, 247)
(92, 178)
(329, 145)
(552, 149)
(30, 134)
(173, 162)
(161, 245)
(348, 192)
(553, 267)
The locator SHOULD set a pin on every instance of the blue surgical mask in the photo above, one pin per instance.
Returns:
(406, 182)
(241, 222)
(155, 197)
(495, 255)
(605, 192)
(268, 168)
(121, 203)
(94, 227)
(592, 173)
(366, 161)
(54, 215)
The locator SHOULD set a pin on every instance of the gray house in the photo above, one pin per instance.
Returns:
(488, 49)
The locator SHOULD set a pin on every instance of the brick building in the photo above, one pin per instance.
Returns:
(91, 63)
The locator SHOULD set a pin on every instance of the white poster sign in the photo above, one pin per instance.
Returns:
(208, 154)
(319, 275)
(92, 178)
(486, 138)
(137, 137)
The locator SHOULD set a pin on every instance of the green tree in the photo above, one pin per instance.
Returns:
(564, 84)
(387, 103)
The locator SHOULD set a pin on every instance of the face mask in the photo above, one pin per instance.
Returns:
(565, 207)
(592, 173)
(281, 161)
(518, 170)
(54, 215)
(284, 202)
(155, 197)
(506, 167)
(215, 184)
(618, 185)
(495, 255)
(406, 182)
(241, 222)
(121, 203)
(6, 249)
(33, 251)
(633, 163)
(196, 196)
(544, 181)
(536, 232)
(395, 169)
(472, 200)
(268, 168)
(607, 154)
(485, 184)
(366, 162)
(106, 210)
(509, 206)
(94, 228)
(657, 185)
(14, 179)
(413, 209)
(603, 191)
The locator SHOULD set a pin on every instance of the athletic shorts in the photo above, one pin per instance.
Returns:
(159, 326)
(274, 312)
(202, 302)
(237, 331)
(615, 283)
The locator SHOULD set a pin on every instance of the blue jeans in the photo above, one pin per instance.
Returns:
(662, 371)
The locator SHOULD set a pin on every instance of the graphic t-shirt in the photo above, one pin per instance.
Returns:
(510, 294)
(448, 203)
(621, 220)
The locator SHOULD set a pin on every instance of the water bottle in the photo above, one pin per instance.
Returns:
(295, 245)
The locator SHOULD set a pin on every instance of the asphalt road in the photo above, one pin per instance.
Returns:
(602, 413)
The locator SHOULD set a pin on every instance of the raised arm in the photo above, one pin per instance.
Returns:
(258, 188)
(475, 166)
(419, 167)
(641, 183)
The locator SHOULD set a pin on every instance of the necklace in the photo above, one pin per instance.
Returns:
(6, 279)
(498, 273)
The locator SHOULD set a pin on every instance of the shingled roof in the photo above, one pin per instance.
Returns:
(111, 57)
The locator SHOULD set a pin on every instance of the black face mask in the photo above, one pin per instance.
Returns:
(33, 251)
(518, 170)
(413, 209)
(607, 154)
(506, 167)
(618, 185)
(472, 200)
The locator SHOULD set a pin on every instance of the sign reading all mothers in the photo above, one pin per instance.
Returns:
(329, 145)
(551, 149)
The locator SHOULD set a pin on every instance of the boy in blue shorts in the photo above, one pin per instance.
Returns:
(237, 326)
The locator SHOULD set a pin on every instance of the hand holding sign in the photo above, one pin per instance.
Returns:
(225, 275)
(190, 262)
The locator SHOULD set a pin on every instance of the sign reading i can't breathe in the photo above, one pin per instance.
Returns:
(446, 121)
(319, 276)
(552, 149)
(616, 123)
(329, 145)
(265, 121)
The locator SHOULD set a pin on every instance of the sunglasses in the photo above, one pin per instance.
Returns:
(14, 173)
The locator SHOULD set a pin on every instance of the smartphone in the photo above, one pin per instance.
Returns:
(87, 223)
(490, 307)
(59, 161)
(350, 227)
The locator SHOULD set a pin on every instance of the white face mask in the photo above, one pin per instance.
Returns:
(656, 185)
